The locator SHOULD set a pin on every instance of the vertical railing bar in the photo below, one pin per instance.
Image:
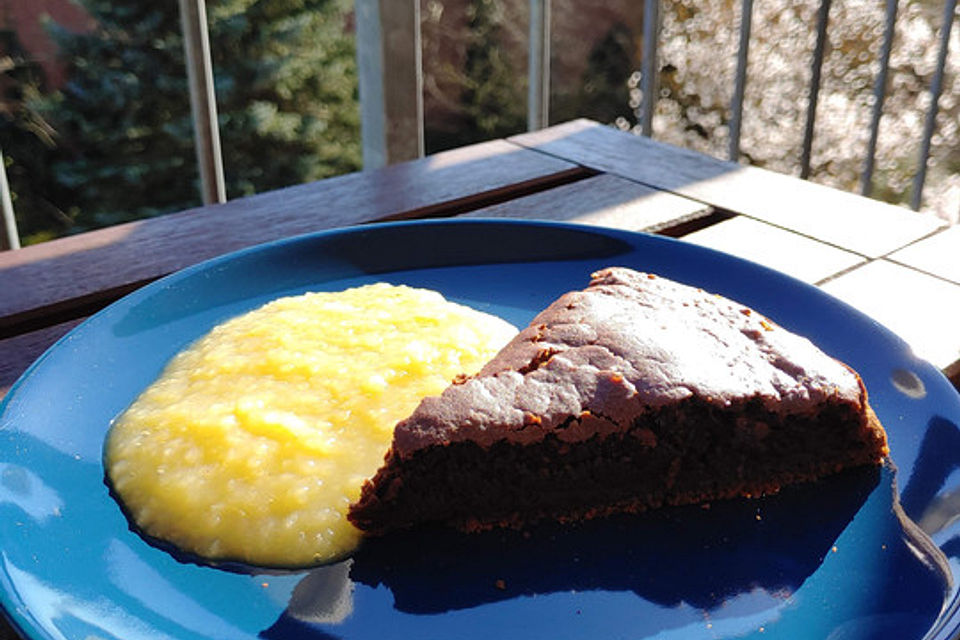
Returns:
(936, 87)
(390, 80)
(736, 104)
(823, 16)
(418, 146)
(9, 236)
(369, 50)
(648, 66)
(879, 94)
(203, 101)
(538, 66)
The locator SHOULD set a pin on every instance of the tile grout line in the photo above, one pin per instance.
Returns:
(888, 259)
(888, 256)
(843, 272)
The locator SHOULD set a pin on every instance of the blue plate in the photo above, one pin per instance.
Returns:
(867, 554)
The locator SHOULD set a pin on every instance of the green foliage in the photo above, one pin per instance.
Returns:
(493, 98)
(487, 94)
(287, 86)
(28, 144)
(287, 100)
(123, 119)
(602, 93)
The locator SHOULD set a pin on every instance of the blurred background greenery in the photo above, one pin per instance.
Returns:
(95, 120)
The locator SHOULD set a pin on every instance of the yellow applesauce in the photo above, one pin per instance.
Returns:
(254, 441)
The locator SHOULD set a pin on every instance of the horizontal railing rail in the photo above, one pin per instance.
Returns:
(391, 81)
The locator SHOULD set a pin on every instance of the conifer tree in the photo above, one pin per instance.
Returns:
(287, 99)
(493, 99)
(28, 146)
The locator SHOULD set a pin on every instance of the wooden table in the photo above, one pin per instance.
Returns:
(896, 265)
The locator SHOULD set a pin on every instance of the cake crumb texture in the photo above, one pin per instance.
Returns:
(634, 393)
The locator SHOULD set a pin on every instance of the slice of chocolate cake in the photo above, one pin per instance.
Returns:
(634, 393)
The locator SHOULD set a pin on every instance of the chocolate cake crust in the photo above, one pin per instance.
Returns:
(631, 341)
(645, 362)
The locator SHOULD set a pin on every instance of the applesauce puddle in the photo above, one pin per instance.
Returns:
(254, 441)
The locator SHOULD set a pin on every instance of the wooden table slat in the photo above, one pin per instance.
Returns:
(603, 200)
(920, 308)
(19, 352)
(937, 254)
(799, 256)
(78, 273)
(869, 227)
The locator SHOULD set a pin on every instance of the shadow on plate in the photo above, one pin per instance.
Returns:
(698, 555)
(886, 571)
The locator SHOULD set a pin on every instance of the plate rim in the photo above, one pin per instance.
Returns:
(945, 626)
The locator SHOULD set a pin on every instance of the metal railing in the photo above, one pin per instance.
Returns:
(936, 87)
(389, 72)
(539, 82)
(203, 100)
(390, 84)
(9, 238)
